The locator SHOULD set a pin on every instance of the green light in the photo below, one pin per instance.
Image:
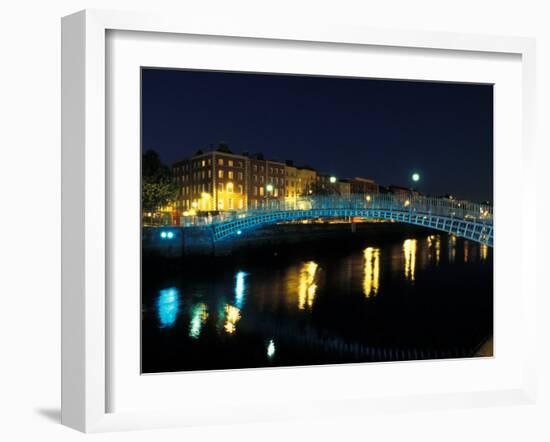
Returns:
(415, 177)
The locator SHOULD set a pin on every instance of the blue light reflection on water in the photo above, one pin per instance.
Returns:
(240, 288)
(168, 304)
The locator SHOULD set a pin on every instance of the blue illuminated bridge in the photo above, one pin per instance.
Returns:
(461, 218)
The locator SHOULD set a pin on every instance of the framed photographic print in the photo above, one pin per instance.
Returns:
(249, 214)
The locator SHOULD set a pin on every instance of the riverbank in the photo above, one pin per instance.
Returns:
(271, 239)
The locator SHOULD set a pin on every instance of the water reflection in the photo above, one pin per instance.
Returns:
(271, 349)
(434, 242)
(409, 251)
(168, 304)
(306, 285)
(452, 248)
(371, 271)
(232, 316)
(321, 305)
(240, 288)
(483, 251)
(199, 315)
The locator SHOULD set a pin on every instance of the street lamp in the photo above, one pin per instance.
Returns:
(415, 177)
(269, 188)
(332, 179)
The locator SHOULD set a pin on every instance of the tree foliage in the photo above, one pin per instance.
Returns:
(158, 188)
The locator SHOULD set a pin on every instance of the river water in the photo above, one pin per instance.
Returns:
(418, 296)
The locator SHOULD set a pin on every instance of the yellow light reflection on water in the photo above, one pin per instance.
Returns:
(232, 316)
(409, 251)
(466, 251)
(483, 251)
(199, 315)
(371, 274)
(306, 285)
(452, 248)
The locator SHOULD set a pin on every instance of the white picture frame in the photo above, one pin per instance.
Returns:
(85, 308)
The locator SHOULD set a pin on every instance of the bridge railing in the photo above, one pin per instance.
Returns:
(446, 207)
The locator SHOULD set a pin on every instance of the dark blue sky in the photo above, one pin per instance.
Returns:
(347, 127)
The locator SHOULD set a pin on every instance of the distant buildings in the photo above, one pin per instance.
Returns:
(222, 180)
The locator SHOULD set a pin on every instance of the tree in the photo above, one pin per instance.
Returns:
(158, 188)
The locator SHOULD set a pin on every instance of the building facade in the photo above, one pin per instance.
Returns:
(359, 185)
(212, 181)
(223, 181)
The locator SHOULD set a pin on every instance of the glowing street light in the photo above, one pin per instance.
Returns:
(415, 177)
(269, 187)
(332, 179)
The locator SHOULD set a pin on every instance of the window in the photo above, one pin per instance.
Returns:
(271, 170)
(203, 163)
(230, 174)
(261, 191)
(230, 201)
(220, 187)
(240, 203)
(276, 192)
(220, 161)
(255, 178)
(255, 191)
(230, 163)
(255, 168)
(220, 173)
(240, 188)
(261, 168)
(229, 187)
(240, 175)
(209, 173)
(262, 179)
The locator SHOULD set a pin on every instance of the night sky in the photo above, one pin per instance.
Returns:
(378, 129)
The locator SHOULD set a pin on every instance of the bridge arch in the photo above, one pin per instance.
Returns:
(480, 231)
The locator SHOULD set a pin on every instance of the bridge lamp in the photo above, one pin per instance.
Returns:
(170, 235)
(239, 232)
(332, 179)
(163, 235)
(415, 177)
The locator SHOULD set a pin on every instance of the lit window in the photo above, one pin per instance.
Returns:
(240, 175)
(220, 187)
(230, 163)
(220, 173)
(255, 168)
(220, 161)
(261, 191)
(240, 188)
(203, 163)
(255, 191)
(230, 174)
(230, 201)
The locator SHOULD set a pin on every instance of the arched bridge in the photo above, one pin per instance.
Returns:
(462, 218)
